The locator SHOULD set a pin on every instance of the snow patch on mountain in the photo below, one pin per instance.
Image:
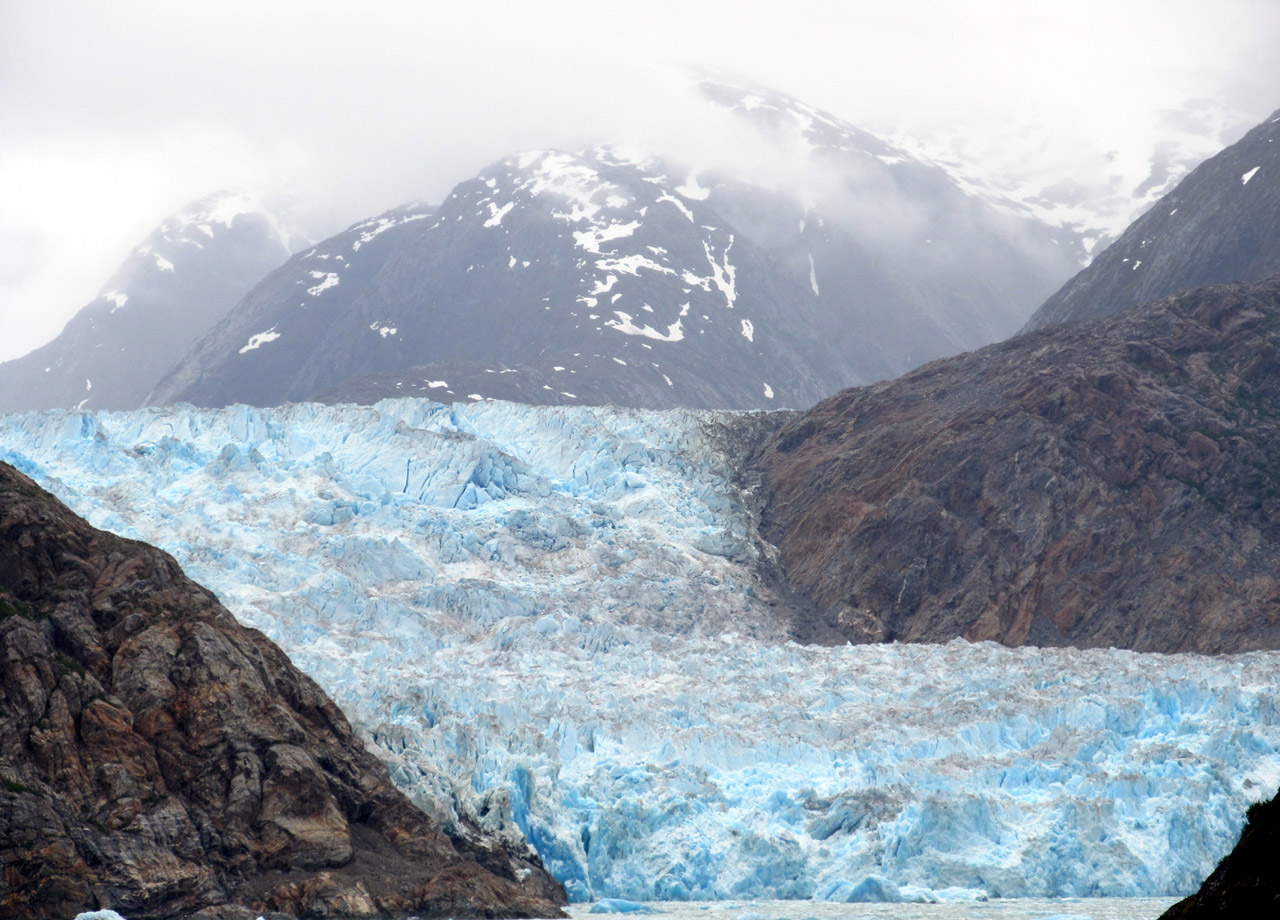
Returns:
(591, 239)
(260, 339)
(497, 213)
(326, 279)
(624, 324)
(691, 189)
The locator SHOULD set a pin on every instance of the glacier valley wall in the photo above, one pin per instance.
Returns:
(555, 619)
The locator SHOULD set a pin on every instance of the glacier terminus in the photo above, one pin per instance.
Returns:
(557, 619)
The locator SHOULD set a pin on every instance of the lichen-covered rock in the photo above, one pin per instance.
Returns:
(1111, 483)
(158, 758)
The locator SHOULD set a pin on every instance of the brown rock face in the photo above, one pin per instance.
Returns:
(157, 758)
(1105, 483)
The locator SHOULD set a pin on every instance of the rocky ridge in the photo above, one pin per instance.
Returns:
(608, 275)
(158, 758)
(1110, 483)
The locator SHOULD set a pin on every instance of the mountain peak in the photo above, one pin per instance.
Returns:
(181, 279)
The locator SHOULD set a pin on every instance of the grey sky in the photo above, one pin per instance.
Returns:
(113, 115)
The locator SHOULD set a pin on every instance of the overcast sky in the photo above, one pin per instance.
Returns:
(114, 115)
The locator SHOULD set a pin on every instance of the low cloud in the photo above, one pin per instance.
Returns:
(112, 116)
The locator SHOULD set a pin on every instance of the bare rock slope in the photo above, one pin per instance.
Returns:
(158, 758)
(1111, 483)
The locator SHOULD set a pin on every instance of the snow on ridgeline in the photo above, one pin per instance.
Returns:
(551, 614)
(609, 197)
(196, 224)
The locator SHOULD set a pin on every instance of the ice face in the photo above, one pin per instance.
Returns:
(551, 618)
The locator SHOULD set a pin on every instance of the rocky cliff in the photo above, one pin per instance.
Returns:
(1244, 884)
(1111, 483)
(158, 758)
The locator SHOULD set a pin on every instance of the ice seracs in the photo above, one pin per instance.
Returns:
(557, 619)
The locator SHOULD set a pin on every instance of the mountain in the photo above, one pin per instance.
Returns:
(608, 276)
(1244, 883)
(159, 758)
(913, 259)
(1220, 224)
(587, 268)
(171, 289)
(1095, 186)
(1110, 483)
(562, 623)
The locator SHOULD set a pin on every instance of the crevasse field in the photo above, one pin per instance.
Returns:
(552, 618)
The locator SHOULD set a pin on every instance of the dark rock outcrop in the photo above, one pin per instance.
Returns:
(1246, 883)
(1220, 224)
(1112, 483)
(158, 758)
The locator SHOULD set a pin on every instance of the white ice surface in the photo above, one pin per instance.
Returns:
(551, 618)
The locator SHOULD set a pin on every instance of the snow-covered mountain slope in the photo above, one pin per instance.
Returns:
(595, 270)
(1222, 223)
(608, 276)
(171, 289)
(560, 619)
(901, 250)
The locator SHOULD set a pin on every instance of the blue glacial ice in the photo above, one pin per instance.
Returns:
(552, 620)
(620, 906)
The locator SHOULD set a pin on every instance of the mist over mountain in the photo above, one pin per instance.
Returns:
(614, 276)
(1221, 223)
(171, 289)
(1095, 196)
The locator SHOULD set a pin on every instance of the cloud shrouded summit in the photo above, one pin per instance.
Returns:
(113, 116)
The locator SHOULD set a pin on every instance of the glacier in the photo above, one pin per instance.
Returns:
(556, 620)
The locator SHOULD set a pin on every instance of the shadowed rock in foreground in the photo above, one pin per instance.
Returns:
(1111, 483)
(1246, 883)
(157, 758)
